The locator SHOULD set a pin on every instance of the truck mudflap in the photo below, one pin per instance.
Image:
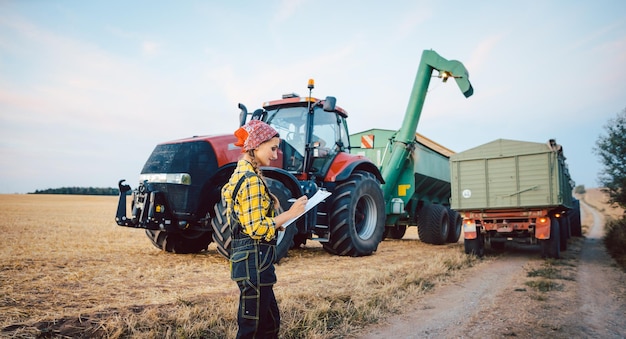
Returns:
(149, 209)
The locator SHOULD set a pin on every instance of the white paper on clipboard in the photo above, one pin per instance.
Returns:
(318, 197)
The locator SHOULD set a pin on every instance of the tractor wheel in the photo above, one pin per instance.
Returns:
(357, 216)
(574, 220)
(433, 225)
(456, 222)
(396, 232)
(222, 235)
(181, 243)
(284, 239)
(551, 248)
(475, 246)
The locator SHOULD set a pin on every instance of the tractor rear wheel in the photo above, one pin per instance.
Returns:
(357, 216)
(222, 235)
(181, 243)
(433, 225)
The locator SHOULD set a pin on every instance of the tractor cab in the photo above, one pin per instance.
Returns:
(313, 132)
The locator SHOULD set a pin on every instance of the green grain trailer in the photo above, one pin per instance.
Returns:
(509, 190)
(429, 175)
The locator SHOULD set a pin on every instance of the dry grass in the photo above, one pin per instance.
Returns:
(66, 269)
(615, 228)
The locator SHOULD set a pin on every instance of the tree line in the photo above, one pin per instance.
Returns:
(80, 191)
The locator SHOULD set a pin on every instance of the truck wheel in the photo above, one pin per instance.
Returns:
(574, 220)
(433, 225)
(222, 235)
(357, 216)
(396, 232)
(564, 233)
(181, 243)
(551, 248)
(475, 246)
(456, 223)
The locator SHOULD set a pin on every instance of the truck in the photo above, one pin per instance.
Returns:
(178, 197)
(514, 191)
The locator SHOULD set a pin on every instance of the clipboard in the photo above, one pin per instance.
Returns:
(313, 201)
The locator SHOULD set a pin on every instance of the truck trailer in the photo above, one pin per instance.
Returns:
(514, 191)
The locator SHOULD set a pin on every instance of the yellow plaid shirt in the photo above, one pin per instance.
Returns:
(251, 205)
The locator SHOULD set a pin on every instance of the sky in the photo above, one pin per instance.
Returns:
(88, 88)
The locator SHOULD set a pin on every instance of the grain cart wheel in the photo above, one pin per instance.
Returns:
(456, 222)
(221, 231)
(574, 220)
(551, 248)
(475, 246)
(357, 216)
(397, 231)
(182, 243)
(433, 225)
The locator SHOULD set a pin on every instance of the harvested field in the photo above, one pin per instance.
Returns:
(68, 270)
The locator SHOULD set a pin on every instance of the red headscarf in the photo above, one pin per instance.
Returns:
(254, 133)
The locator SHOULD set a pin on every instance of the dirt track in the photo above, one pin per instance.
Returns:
(582, 296)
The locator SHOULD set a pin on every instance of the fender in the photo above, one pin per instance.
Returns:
(288, 179)
(344, 164)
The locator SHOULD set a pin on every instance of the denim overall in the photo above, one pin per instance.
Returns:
(252, 267)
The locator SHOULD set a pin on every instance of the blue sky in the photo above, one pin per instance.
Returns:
(88, 88)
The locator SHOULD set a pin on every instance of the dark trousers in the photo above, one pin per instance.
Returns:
(267, 324)
(253, 269)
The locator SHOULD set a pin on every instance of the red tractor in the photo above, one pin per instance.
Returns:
(178, 200)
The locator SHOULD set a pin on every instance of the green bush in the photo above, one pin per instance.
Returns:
(615, 240)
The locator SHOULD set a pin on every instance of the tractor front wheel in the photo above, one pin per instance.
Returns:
(182, 243)
(357, 216)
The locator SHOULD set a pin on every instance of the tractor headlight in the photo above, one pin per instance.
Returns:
(166, 178)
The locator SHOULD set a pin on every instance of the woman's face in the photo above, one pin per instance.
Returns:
(267, 151)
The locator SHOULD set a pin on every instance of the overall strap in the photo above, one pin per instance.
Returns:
(237, 225)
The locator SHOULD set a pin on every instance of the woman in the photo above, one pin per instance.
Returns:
(250, 211)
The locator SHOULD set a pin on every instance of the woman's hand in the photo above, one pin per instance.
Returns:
(298, 207)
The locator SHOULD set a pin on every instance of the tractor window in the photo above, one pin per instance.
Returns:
(291, 125)
(329, 131)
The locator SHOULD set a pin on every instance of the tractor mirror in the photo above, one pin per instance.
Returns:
(329, 104)
(243, 114)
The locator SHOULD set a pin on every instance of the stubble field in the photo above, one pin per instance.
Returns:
(67, 270)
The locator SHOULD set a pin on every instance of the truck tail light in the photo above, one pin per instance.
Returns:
(469, 229)
(542, 228)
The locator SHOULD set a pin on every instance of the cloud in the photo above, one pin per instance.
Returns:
(287, 8)
(150, 48)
